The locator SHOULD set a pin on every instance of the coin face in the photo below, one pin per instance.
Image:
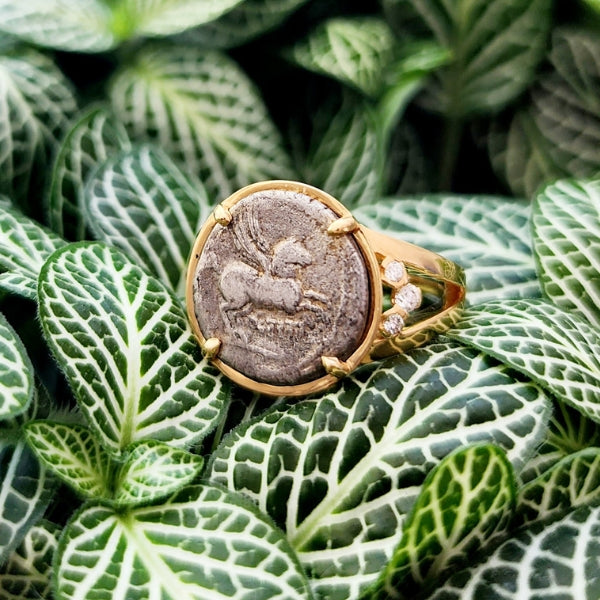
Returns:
(278, 290)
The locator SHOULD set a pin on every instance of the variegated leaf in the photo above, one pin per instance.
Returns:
(488, 236)
(80, 26)
(569, 431)
(165, 17)
(150, 470)
(36, 103)
(557, 349)
(405, 78)
(73, 453)
(345, 156)
(355, 51)
(24, 247)
(350, 138)
(557, 134)
(27, 574)
(556, 560)
(25, 490)
(566, 234)
(140, 202)
(124, 343)
(154, 470)
(574, 56)
(16, 373)
(204, 112)
(573, 481)
(465, 500)
(243, 23)
(496, 47)
(408, 168)
(94, 136)
(518, 153)
(203, 543)
(340, 472)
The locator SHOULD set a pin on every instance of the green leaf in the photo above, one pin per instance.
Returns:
(150, 470)
(566, 230)
(593, 4)
(82, 26)
(25, 490)
(573, 481)
(488, 236)
(27, 573)
(341, 472)
(496, 47)
(16, 373)
(557, 134)
(465, 500)
(355, 51)
(24, 247)
(36, 103)
(520, 154)
(124, 343)
(204, 112)
(165, 17)
(154, 470)
(243, 23)
(73, 453)
(569, 432)
(408, 169)
(557, 560)
(93, 137)
(350, 138)
(406, 77)
(140, 202)
(557, 349)
(344, 156)
(203, 543)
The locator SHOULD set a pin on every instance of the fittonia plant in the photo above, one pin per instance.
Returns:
(469, 468)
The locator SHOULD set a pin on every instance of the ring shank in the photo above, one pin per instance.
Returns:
(433, 274)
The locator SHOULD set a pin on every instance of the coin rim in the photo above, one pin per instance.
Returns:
(375, 289)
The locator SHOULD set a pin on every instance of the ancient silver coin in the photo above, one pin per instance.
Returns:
(279, 291)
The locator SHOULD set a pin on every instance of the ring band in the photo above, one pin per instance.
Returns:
(287, 293)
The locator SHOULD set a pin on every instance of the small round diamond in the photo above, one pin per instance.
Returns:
(408, 297)
(394, 271)
(393, 324)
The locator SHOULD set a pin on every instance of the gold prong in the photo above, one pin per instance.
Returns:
(222, 215)
(211, 347)
(342, 225)
(334, 366)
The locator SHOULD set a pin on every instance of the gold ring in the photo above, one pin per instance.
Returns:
(287, 292)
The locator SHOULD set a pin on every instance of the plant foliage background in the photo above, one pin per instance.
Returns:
(130, 468)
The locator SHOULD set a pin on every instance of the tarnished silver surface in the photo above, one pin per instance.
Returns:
(279, 291)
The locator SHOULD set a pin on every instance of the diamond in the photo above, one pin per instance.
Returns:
(393, 324)
(394, 271)
(408, 297)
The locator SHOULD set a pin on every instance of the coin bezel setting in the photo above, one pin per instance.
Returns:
(334, 368)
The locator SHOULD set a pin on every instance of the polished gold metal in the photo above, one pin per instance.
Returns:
(222, 215)
(210, 347)
(343, 225)
(440, 280)
(336, 367)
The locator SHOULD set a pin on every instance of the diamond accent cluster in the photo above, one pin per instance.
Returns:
(393, 324)
(394, 271)
(408, 297)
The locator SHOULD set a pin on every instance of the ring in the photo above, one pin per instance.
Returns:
(286, 292)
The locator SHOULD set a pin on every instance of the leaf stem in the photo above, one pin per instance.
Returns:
(221, 426)
(453, 131)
